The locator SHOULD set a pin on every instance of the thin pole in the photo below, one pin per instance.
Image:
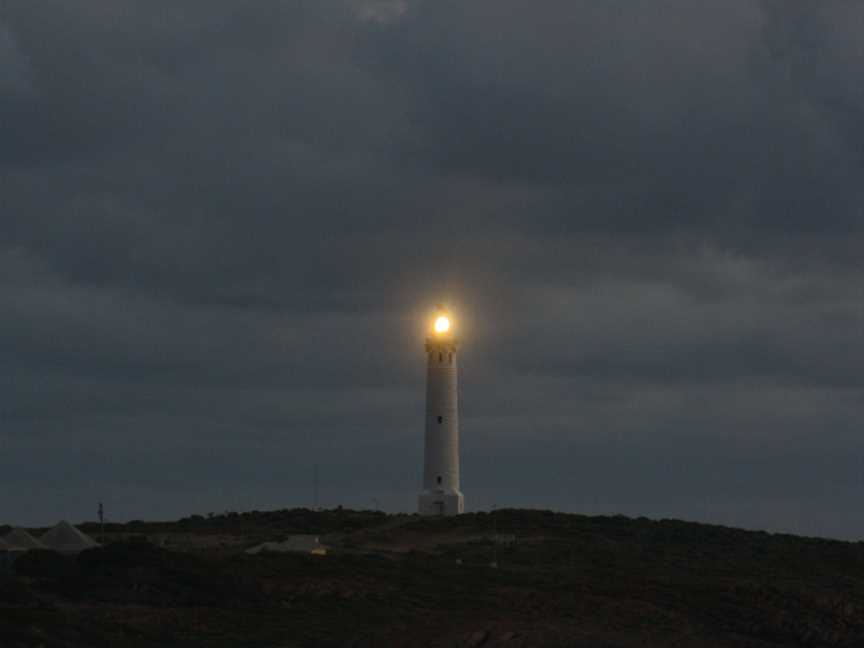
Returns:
(494, 537)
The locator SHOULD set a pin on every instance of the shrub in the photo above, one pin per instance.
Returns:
(44, 564)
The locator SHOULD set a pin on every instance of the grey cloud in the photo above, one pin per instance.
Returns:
(14, 70)
(588, 99)
(221, 227)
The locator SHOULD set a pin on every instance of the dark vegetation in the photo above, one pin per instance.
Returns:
(286, 522)
(567, 580)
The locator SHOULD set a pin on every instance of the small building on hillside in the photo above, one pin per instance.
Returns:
(10, 552)
(307, 544)
(7, 557)
(14, 544)
(66, 539)
(21, 539)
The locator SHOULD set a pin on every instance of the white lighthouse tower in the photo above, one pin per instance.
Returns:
(441, 494)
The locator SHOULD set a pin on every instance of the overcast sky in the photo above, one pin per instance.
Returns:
(222, 225)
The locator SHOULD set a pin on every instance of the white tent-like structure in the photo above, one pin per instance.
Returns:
(10, 550)
(65, 538)
(308, 544)
(20, 540)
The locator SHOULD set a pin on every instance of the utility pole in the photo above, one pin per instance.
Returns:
(494, 538)
(315, 487)
(101, 514)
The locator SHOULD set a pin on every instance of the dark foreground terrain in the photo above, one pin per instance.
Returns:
(561, 580)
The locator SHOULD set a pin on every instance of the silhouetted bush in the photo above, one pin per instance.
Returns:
(45, 564)
(13, 591)
(121, 555)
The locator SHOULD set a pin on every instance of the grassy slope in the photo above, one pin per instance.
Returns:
(568, 580)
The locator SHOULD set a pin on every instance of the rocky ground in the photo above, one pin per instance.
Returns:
(549, 580)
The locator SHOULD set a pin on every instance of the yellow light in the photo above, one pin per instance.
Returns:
(442, 324)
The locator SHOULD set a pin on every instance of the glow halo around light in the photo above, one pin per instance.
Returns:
(442, 324)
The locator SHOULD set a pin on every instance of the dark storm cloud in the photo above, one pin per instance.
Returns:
(649, 118)
(222, 227)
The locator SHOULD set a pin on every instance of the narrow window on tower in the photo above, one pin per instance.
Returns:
(439, 480)
(440, 419)
(451, 358)
(440, 357)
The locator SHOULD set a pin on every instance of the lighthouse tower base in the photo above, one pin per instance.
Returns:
(441, 502)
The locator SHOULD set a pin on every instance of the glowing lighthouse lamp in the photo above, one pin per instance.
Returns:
(441, 494)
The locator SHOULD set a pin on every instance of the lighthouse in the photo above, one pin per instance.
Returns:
(441, 494)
